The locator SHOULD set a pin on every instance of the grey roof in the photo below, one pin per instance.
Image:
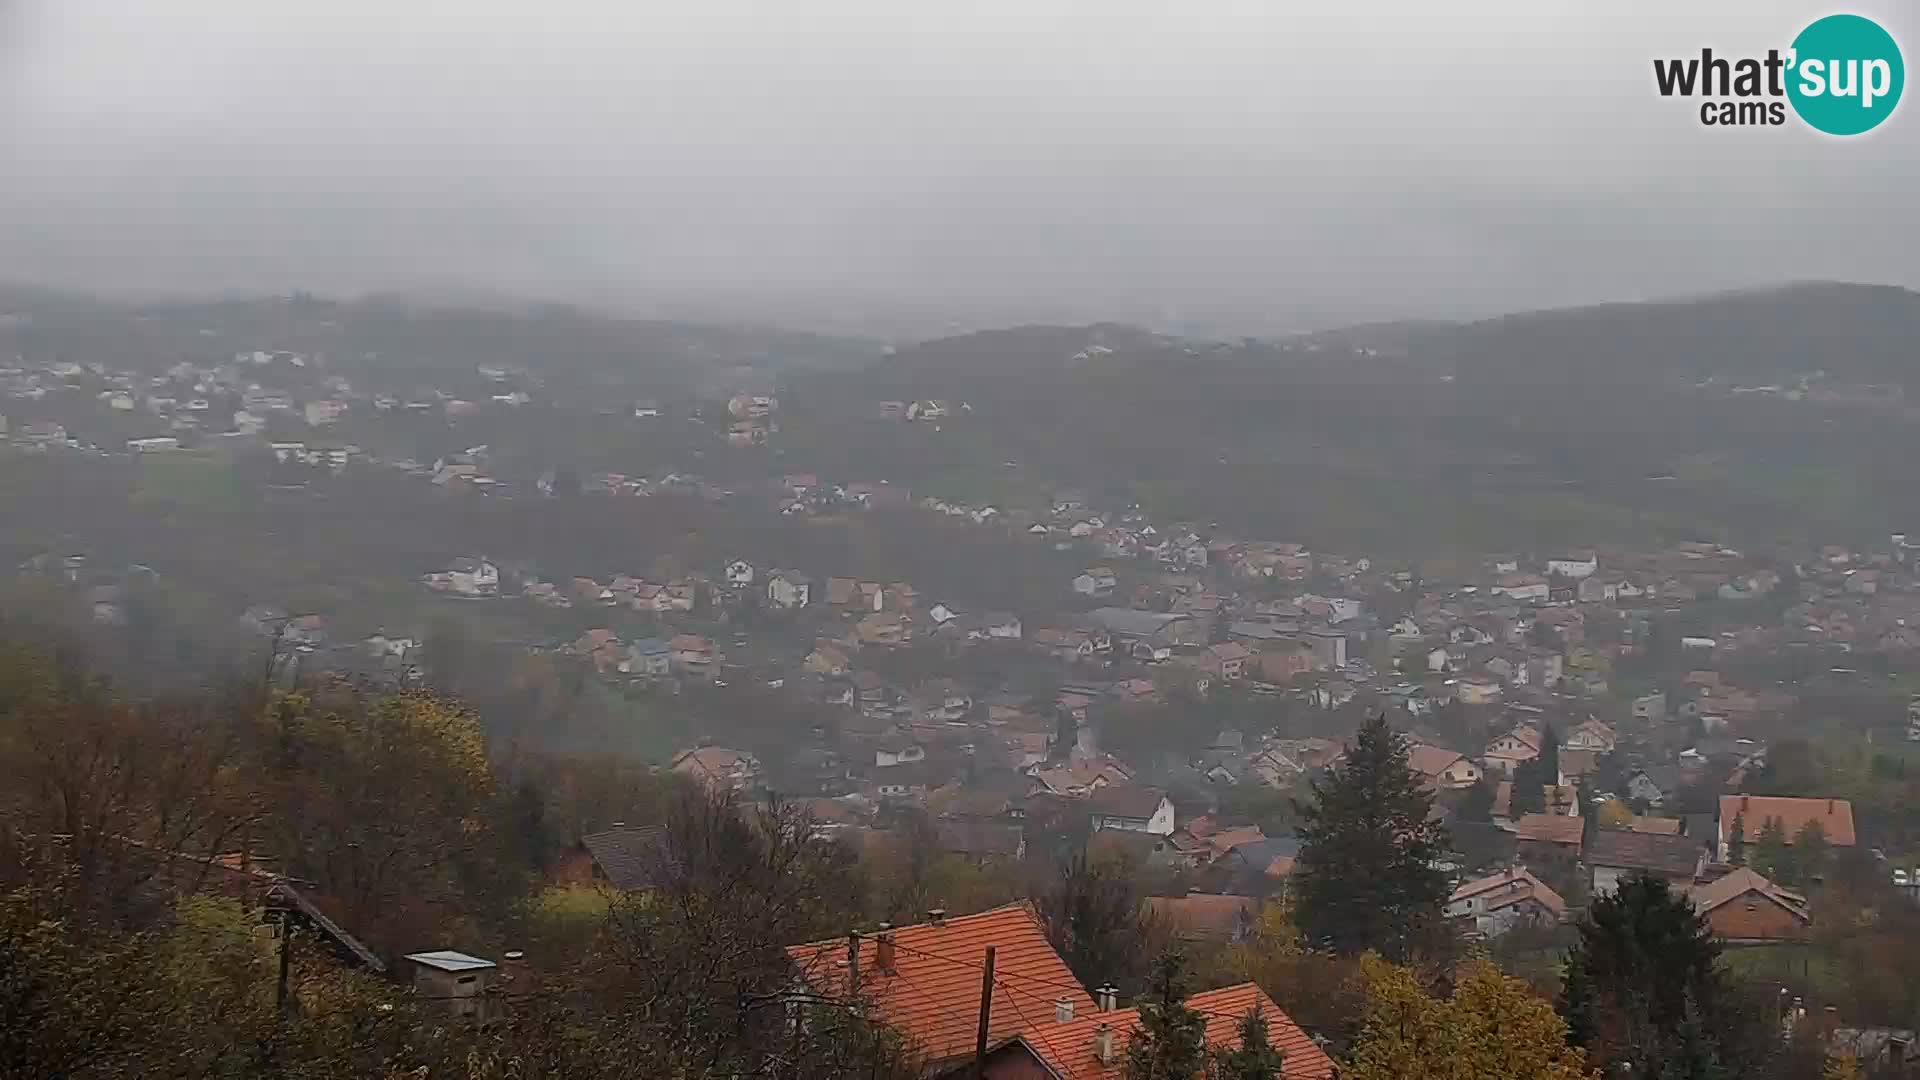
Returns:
(448, 960)
(1666, 855)
(1133, 623)
(629, 856)
(1125, 800)
(1261, 852)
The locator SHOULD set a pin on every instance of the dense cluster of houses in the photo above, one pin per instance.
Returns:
(1697, 856)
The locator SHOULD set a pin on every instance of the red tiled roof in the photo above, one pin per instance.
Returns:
(1227, 839)
(1741, 882)
(1527, 736)
(1835, 815)
(1430, 761)
(932, 995)
(1068, 1047)
(1204, 916)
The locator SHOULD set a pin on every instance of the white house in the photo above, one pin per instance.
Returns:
(789, 589)
(1597, 591)
(1573, 566)
(898, 752)
(1592, 735)
(1097, 581)
(473, 577)
(1526, 588)
(1504, 901)
(1004, 626)
(1641, 785)
(1130, 808)
(1505, 753)
(649, 657)
(1477, 690)
(1441, 768)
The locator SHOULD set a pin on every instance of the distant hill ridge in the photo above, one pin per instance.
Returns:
(1868, 333)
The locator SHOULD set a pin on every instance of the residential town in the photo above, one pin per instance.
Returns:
(1166, 692)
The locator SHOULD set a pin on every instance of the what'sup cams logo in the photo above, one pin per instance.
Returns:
(1842, 76)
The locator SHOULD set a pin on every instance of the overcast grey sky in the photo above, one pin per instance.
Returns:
(1253, 165)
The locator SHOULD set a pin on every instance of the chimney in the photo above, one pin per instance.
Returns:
(1829, 807)
(1063, 1010)
(853, 962)
(512, 966)
(937, 916)
(883, 948)
(1103, 1044)
(1829, 1021)
(1108, 997)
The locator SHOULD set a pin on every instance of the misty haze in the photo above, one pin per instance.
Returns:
(940, 541)
(1238, 167)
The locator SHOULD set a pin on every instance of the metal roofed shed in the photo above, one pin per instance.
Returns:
(457, 981)
(450, 961)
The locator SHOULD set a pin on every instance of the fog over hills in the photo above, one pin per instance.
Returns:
(911, 170)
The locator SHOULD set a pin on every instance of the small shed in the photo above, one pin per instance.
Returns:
(458, 981)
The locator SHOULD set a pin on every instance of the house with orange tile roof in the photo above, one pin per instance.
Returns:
(1594, 736)
(925, 982)
(1206, 916)
(1094, 1047)
(1223, 841)
(1745, 907)
(1441, 768)
(1505, 753)
(1834, 816)
(1080, 779)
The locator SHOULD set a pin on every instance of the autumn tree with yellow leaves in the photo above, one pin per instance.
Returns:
(1492, 1028)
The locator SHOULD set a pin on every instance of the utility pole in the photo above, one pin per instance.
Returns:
(986, 1016)
(286, 949)
(853, 966)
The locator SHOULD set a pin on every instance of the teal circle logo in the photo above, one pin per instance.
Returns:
(1845, 75)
